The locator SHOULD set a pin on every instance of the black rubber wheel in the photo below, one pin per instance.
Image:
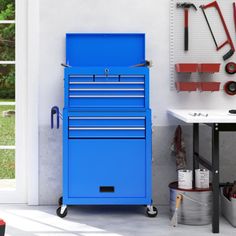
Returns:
(59, 212)
(60, 201)
(153, 213)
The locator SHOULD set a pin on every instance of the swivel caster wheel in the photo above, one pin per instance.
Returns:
(151, 211)
(60, 201)
(62, 211)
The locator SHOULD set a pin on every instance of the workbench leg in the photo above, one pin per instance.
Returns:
(215, 178)
(195, 149)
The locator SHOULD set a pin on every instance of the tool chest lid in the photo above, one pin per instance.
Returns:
(104, 49)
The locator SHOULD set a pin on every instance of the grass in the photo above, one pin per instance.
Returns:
(7, 100)
(7, 164)
(7, 127)
(7, 138)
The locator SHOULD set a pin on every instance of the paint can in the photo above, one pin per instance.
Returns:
(185, 178)
(201, 179)
(195, 207)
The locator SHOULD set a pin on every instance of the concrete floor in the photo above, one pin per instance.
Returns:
(23, 220)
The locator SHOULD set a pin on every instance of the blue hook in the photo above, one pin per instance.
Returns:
(55, 110)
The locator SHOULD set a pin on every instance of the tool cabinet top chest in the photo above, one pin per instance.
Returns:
(106, 122)
(100, 72)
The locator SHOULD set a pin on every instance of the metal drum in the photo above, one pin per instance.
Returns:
(195, 207)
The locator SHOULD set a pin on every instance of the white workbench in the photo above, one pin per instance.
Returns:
(206, 116)
(219, 121)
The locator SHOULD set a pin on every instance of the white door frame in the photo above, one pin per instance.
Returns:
(33, 102)
(27, 100)
(19, 194)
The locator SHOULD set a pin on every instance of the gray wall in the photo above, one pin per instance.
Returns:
(58, 17)
(163, 161)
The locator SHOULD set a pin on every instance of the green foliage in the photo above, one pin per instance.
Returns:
(7, 49)
(7, 42)
(7, 9)
(7, 81)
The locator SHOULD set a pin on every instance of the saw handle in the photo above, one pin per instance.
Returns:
(178, 201)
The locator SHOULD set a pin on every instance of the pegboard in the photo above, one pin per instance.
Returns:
(201, 45)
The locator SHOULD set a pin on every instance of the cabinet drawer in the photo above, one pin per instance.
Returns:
(106, 127)
(99, 90)
(107, 168)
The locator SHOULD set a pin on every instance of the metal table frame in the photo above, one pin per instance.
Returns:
(213, 166)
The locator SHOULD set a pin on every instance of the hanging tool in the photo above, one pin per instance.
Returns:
(2, 227)
(55, 110)
(229, 40)
(174, 219)
(230, 68)
(230, 88)
(186, 6)
(234, 12)
(178, 148)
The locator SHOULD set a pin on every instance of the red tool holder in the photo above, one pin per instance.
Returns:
(2, 227)
(194, 67)
(186, 67)
(209, 67)
(209, 86)
(187, 86)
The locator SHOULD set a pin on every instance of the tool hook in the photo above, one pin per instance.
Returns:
(55, 110)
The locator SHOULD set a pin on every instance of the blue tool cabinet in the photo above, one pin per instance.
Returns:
(107, 137)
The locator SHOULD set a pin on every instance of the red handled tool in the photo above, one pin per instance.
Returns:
(186, 6)
(2, 227)
(229, 40)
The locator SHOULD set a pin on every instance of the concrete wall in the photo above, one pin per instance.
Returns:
(58, 17)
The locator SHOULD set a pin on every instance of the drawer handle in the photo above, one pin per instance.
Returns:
(105, 76)
(105, 89)
(107, 189)
(106, 82)
(105, 118)
(80, 76)
(106, 128)
(106, 96)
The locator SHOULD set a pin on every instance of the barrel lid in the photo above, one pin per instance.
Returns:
(174, 185)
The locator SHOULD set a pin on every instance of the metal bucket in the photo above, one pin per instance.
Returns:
(195, 207)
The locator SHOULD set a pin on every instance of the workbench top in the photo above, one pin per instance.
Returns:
(203, 116)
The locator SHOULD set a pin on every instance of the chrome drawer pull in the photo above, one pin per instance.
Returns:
(106, 128)
(106, 83)
(106, 96)
(107, 76)
(105, 118)
(132, 76)
(105, 89)
(80, 76)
